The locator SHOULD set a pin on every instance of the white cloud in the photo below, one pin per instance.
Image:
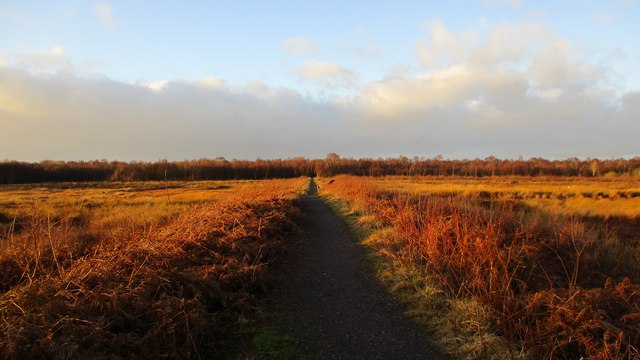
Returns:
(299, 45)
(53, 60)
(158, 85)
(211, 82)
(507, 90)
(446, 88)
(327, 73)
(543, 58)
(505, 43)
(555, 67)
(443, 46)
(515, 86)
(104, 13)
(321, 70)
(100, 118)
(458, 111)
(509, 43)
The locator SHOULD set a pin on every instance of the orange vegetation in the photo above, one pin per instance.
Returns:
(601, 197)
(551, 283)
(82, 287)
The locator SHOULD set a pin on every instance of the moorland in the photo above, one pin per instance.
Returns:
(494, 258)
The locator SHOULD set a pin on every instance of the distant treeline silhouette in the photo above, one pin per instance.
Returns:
(14, 172)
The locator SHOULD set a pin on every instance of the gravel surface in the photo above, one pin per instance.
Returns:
(331, 302)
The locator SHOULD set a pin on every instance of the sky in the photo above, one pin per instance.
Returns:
(148, 80)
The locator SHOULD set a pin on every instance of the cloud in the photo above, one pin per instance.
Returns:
(327, 73)
(506, 90)
(299, 45)
(443, 46)
(516, 88)
(448, 88)
(545, 60)
(52, 60)
(158, 85)
(508, 43)
(631, 102)
(555, 67)
(49, 116)
(459, 112)
(104, 13)
(211, 82)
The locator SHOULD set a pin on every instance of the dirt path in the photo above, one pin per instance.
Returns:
(332, 303)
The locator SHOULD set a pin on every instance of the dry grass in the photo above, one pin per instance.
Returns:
(601, 197)
(551, 284)
(62, 200)
(150, 275)
(44, 228)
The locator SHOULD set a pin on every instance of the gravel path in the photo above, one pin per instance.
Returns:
(331, 302)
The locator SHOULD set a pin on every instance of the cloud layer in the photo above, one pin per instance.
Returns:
(515, 89)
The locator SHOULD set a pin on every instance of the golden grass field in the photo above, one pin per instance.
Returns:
(495, 267)
(603, 197)
(150, 268)
(137, 202)
(507, 267)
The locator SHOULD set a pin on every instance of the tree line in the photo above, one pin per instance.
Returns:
(15, 172)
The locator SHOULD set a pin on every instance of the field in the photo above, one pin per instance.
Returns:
(494, 267)
(507, 267)
(602, 197)
(611, 204)
(154, 268)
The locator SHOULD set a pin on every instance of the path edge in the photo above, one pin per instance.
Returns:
(449, 323)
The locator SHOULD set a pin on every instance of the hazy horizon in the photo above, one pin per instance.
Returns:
(144, 81)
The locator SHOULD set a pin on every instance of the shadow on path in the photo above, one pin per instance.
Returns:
(331, 302)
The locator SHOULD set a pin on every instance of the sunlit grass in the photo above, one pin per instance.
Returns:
(513, 267)
(106, 205)
(106, 270)
(603, 197)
